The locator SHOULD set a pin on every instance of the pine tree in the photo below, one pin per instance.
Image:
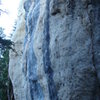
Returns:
(6, 92)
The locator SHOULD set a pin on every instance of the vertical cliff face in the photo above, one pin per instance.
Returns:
(16, 61)
(60, 53)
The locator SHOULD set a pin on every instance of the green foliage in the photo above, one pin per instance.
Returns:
(4, 81)
(6, 92)
(4, 43)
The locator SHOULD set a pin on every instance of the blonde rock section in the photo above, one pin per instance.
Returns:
(15, 64)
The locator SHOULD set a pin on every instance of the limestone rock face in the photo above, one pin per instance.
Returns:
(60, 56)
(15, 64)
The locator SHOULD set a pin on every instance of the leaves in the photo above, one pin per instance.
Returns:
(5, 83)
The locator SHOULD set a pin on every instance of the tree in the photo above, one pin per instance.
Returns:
(4, 82)
(6, 91)
(5, 43)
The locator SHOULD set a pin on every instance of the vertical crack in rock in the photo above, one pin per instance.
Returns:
(46, 56)
(92, 35)
(95, 36)
(93, 55)
(31, 19)
(93, 18)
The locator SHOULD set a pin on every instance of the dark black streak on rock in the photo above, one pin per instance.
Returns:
(56, 12)
(96, 44)
(46, 56)
(35, 88)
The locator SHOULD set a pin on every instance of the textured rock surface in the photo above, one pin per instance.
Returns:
(60, 59)
(15, 69)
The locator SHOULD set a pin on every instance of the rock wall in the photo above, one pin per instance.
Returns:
(60, 53)
(15, 64)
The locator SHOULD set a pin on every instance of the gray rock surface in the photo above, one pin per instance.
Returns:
(16, 60)
(61, 56)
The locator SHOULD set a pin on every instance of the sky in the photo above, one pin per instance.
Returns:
(7, 20)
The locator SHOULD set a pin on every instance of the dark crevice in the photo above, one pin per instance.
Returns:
(92, 19)
(56, 12)
(93, 40)
(93, 33)
(71, 6)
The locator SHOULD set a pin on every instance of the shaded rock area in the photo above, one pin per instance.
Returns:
(58, 56)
